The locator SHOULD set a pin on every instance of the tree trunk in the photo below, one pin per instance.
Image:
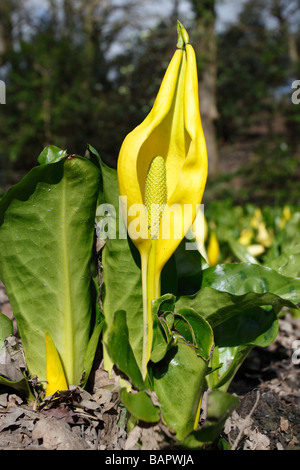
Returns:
(6, 28)
(206, 49)
(279, 10)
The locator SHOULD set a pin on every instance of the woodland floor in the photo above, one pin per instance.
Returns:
(268, 417)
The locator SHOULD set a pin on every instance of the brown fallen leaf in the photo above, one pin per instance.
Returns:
(55, 434)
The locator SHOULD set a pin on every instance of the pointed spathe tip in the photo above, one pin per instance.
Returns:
(183, 37)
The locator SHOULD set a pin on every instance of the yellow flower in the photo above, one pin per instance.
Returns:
(286, 212)
(256, 249)
(264, 237)
(246, 236)
(199, 231)
(54, 370)
(257, 218)
(163, 162)
(213, 249)
(286, 215)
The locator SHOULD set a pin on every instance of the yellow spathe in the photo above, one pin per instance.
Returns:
(56, 379)
(171, 139)
(173, 131)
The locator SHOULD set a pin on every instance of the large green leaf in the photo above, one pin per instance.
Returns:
(51, 154)
(120, 350)
(189, 266)
(122, 284)
(288, 263)
(194, 330)
(163, 321)
(140, 405)
(241, 278)
(225, 362)
(218, 306)
(91, 351)
(256, 326)
(6, 328)
(231, 300)
(46, 241)
(219, 407)
(229, 289)
(178, 380)
(235, 338)
(240, 251)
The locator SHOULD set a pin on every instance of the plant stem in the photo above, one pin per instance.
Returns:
(213, 377)
(151, 290)
(197, 417)
(144, 266)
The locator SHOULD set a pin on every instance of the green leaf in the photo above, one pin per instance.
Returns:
(51, 154)
(165, 303)
(140, 406)
(91, 351)
(10, 368)
(220, 406)
(189, 267)
(122, 283)
(288, 263)
(242, 278)
(46, 247)
(256, 327)
(232, 305)
(226, 290)
(235, 338)
(92, 154)
(120, 350)
(6, 328)
(162, 339)
(195, 330)
(21, 386)
(178, 381)
(227, 361)
(218, 306)
(240, 251)
(163, 320)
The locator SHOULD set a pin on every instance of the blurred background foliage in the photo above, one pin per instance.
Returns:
(87, 71)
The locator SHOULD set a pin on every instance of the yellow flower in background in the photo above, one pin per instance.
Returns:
(287, 212)
(286, 215)
(246, 236)
(213, 249)
(257, 218)
(162, 168)
(256, 249)
(199, 233)
(263, 235)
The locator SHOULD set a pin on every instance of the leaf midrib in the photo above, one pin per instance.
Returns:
(68, 336)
